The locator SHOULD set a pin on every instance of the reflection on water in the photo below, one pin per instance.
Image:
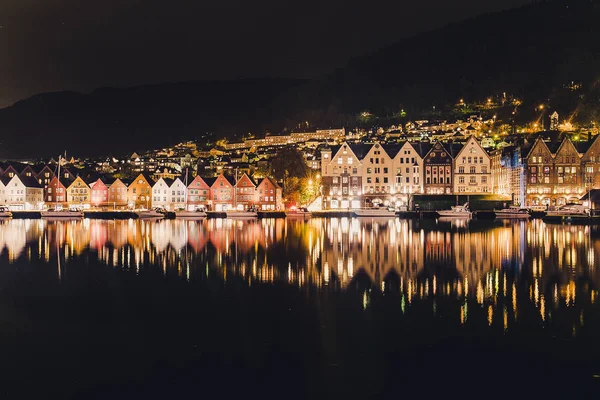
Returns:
(500, 267)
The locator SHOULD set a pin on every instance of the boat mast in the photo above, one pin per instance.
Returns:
(57, 186)
(235, 190)
(186, 189)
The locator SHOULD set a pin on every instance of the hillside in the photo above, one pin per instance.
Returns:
(533, 53)
(118, 121)
(529, 52)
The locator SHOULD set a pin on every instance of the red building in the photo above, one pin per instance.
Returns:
(198, 193)
(245, 192)
(56, 192)
(99, 193)
(269, 195)
(221, 193)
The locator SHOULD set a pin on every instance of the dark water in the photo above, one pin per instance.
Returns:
(292, 309)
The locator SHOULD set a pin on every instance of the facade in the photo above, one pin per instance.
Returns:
(408, 167)
(567, 175)
(79, 193)
(438, 165)
(161, 193)
(16, 192)
(378, 176)
(555, 178)
(198, 193)
(512, 175)
(117, 194)
(590, 165)
(269, 195)
(342, 176)
(56, 192)
(221, 198)
(99, 193)
(139, 192)
(245, 190)
(177, 195)
(34, 193)
(472, 169)
(539, 169)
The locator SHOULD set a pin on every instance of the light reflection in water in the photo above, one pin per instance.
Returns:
(492, 265)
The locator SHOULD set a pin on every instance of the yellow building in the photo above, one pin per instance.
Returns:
(139, 192)
(79, 193)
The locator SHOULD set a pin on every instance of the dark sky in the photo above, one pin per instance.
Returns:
(49, 45)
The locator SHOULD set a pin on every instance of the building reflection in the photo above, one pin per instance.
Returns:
(498, 267)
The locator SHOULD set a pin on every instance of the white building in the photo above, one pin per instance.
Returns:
(472, 169)
(16, 193)
(161, 193)
(408, 169)
(177, 194)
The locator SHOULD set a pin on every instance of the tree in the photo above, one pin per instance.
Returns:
(288, 163)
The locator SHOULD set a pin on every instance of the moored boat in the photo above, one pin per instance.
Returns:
(375, 212)
(147, 214)
(241, 214)
(195, 214)
(61, 213)
(513, 212)
(577, 210)
(456, 212)
(5, 212)
(301, 212)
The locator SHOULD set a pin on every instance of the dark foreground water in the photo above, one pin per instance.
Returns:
(290, 309)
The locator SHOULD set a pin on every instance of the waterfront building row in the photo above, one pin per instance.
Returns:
(356, 176)
(28, 190)
(538, 174)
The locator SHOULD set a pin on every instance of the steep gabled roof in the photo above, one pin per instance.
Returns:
(249, 177)
(271, 181)
(453, 148)
(360, 150)
(229, 179)
(29, 169)
(148, 179)
(78, 178)
(566, 142)
(538, 142)
(30, 182)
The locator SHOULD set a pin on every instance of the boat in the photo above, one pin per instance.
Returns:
(568, 210)
(375, 212)
(57, 212)
(513, 212)
(198, 213)
(251, 212)
(301, 212)
(5, 212)
(147, 214)
(456, 212)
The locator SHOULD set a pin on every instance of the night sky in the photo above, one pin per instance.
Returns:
(50, 45)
